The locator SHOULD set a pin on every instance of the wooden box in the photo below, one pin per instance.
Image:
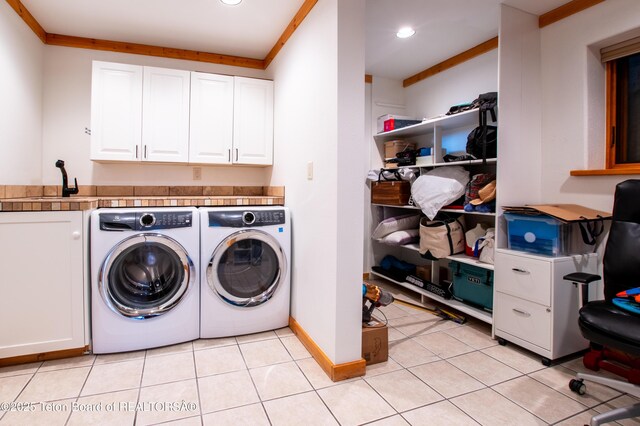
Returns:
(396, 193)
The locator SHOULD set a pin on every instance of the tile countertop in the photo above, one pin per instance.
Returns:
(88, 203)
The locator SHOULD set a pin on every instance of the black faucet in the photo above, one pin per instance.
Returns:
(66, 191)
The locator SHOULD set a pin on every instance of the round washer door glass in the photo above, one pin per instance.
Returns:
(145, 275)
(246, 268)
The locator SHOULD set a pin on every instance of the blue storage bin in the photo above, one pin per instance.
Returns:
(472, 284)
(537, 234)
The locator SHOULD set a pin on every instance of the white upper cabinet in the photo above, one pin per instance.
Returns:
(253, 121)
(116, 111)
(165, 115)
(211, 138)
(173, 116)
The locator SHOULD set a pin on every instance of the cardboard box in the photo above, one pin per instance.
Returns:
(563, 212)
(391, 148)
(424, 272)
(375, 342)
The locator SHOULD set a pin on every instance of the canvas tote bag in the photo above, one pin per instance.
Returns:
(441, 238)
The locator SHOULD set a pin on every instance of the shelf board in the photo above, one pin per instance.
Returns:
(459, 306)
(452, 163)
(412, 247)
(461, 211)
(464, 163)
(467, 118)
(463, 258)
(442, 210)
(396, 206)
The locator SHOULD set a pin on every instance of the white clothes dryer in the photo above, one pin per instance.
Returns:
(245, 270)
(144, 277)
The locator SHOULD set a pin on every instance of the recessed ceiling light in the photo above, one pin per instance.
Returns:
(405, 32)
(231, 2)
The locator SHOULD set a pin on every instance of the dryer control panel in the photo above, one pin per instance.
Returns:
(246, 218)
(145, 221)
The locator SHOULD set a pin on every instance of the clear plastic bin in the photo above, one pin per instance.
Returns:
(541, 234)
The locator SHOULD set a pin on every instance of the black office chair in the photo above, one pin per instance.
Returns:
(614, 333)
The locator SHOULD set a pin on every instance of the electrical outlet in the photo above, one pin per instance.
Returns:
(197, 173)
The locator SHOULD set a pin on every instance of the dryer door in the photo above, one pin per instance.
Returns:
(246, 268)
(146, 275)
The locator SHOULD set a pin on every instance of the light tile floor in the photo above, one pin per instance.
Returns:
(438, 373)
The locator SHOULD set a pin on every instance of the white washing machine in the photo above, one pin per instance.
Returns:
(245, 269)
(144, 277)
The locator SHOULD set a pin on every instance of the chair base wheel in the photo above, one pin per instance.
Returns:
(577, 386)
(502, 342)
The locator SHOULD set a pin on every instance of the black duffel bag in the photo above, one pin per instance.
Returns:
(481, 148)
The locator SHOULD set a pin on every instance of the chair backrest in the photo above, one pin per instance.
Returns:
(622, 253)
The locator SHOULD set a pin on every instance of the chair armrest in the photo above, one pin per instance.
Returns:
(582, 277)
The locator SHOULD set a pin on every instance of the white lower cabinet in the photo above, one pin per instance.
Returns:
(534, 307)
(42, 308)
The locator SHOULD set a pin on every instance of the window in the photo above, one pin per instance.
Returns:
(623, 104)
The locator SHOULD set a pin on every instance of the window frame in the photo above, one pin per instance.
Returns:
(611, 163)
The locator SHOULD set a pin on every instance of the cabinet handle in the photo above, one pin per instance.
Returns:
(236, 154)
(518, 311)
(522, 271)
(229, 154)
(75, 235)
(145, 152)
(136, 152)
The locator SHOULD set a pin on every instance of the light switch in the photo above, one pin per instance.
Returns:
(310, 170)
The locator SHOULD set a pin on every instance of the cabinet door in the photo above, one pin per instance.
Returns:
(253, 121)
(116, 111)
(165, 119)
(42, 286)
(211, 129)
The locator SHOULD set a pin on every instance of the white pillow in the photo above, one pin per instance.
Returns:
(393, 224)
(400, 238)
(439, 187)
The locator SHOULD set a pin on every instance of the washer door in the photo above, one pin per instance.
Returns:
(146, 275)
(246, 268)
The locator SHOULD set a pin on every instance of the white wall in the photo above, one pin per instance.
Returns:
(21, 60)
(519, 128)
(462, 83)
(67, 111)
(351, 179)
(573, 120)
(319, 91)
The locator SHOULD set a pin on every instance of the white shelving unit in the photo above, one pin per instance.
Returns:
(464, 308)
(445, 122)
(430, 133)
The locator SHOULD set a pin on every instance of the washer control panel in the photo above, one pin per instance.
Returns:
(246, 218)
(145, 221)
